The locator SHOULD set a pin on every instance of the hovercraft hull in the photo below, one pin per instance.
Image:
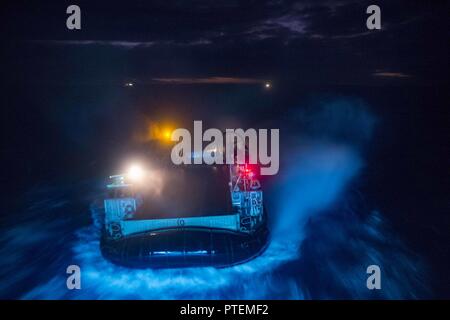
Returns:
(187, 247)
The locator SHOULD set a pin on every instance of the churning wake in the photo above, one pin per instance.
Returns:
(319, 246)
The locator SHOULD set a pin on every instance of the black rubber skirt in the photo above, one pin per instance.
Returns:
(181, 248)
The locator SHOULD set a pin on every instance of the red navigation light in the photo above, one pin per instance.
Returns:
(248, 170)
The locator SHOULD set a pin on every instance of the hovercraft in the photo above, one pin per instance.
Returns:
(184, 217)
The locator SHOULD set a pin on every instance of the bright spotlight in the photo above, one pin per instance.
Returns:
(267, 85)
(135, 172)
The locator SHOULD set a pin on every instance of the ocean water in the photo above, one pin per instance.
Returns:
(324, 233)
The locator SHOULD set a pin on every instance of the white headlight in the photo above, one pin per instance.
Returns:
(135, 173)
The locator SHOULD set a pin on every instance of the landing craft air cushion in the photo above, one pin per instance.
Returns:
(134, 238)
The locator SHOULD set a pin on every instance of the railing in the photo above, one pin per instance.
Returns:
(226, 222)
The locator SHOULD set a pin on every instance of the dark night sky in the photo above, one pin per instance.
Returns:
(307, 42)
(71, 82)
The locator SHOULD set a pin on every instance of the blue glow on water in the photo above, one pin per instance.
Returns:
(311, 254)
(317, 176)
(181, 253)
